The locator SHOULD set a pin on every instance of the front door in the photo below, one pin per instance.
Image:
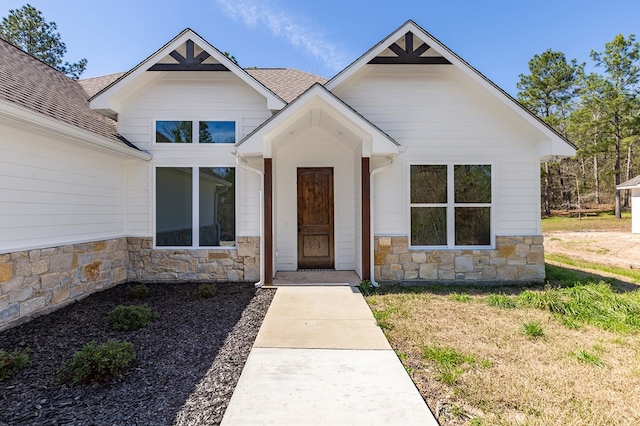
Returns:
(315, 218)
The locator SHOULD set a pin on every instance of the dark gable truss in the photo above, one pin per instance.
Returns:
(190, 63)
(409, 55)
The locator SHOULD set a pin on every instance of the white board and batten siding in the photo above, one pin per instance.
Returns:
(442, 117)
(54, 193)
(193, 96)
(314, 148)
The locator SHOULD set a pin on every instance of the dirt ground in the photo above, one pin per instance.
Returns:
(613, 248)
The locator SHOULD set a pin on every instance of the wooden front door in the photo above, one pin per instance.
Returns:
(315, 218)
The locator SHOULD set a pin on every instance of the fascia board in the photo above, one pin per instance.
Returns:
(466, 69)
(101, 100)
(25, 116)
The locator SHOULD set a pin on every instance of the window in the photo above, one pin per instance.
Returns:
(450, 205)
(195, 211)
(206, 131)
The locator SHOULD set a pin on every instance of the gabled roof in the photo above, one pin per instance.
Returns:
(105, 100)
(287, 83)
(28, 83)
(317, 96)
(631, 183)
(441, 55)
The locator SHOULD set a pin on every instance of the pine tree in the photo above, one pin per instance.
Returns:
(27, 29)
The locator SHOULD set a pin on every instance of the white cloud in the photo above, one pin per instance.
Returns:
(282, 24)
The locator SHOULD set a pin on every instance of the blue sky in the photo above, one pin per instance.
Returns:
(497, 37)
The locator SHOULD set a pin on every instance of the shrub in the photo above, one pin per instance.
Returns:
(206, 291)
(133, 317)
(138, 291)
(12, 362)
(97, 363)
(366, 287)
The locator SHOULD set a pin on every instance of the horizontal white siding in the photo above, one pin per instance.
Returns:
(190, 96)
(440, 116)
(138, 193)
(53, 192)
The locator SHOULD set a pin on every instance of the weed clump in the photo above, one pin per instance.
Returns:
(12, 362)
(501, 301)
(206, 291)
(138, 291)
(533, 330)
(133, 317)
(97, 363)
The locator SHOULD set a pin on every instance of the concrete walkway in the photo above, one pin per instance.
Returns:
(320, 359)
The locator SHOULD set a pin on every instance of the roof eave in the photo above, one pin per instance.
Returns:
(101, 101)
(462, 65)
(19, 114)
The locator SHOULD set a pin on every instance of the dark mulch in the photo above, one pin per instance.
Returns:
(188, 360)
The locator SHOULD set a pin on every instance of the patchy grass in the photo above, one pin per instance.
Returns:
(633, 274)
(478, 365)
(602, 221)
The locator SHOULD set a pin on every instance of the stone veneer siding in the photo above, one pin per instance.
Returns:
(240, 263)
(35, 282)
(513, 259)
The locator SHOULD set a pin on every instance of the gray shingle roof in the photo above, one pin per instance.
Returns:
(93, 85)
(26, 81)
(631, 183)
(285, 82)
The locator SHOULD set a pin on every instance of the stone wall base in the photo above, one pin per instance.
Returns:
(515, 259)
(237, 264)
(36, 282)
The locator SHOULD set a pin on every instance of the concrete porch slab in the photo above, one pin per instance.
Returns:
(329, 278)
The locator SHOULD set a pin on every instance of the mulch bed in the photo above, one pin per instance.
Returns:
(188, 360)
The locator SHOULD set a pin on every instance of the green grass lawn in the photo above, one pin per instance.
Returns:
(602, 221)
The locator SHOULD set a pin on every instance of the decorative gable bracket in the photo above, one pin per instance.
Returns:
(190, 62)
(409, 55)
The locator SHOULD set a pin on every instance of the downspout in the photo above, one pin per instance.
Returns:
(372, 214)
(261, 174)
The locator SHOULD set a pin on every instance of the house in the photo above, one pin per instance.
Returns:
(634, 186)
(407, 165)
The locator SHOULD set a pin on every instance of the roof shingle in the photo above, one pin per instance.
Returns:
(26, 81)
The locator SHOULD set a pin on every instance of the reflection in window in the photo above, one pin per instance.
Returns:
(214, 205)
(450, 205)
(174, 131)
(174, 206)
(217, 206)
(217, 132)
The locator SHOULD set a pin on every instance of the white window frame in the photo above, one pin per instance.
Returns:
(195, 207)
(195, 131)
(451, 205)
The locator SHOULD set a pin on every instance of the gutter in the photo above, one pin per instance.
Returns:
(26, 116)
(240, 164)
(372, 213)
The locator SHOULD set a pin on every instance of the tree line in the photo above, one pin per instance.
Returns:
(599, 112)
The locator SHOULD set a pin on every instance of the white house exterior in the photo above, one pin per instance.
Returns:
(407, 165)
(634, 186)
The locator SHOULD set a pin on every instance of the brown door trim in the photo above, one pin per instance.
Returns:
(268, 222)
(315, 218)
(366, 219)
